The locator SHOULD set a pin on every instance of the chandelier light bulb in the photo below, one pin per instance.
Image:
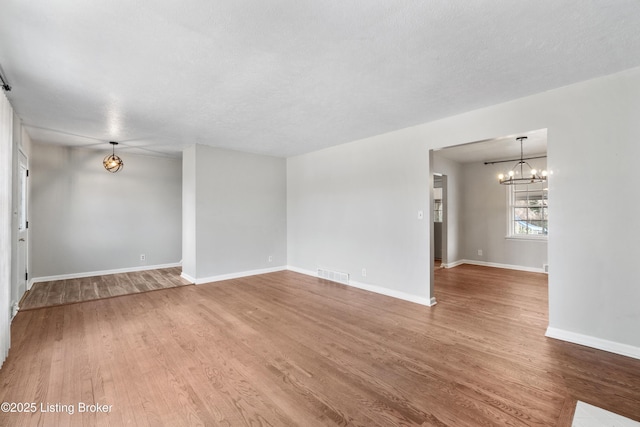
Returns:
(511, 173)
(501, 176)
(534, 171)
(544, 173)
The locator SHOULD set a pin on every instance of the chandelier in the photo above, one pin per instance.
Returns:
(521, 175)
(113, 163)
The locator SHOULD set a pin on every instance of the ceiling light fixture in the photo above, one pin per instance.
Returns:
(113, 163)
(526, 176)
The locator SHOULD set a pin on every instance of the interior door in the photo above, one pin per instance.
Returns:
(23, 228)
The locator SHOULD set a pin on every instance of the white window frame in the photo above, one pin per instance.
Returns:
(511, 190)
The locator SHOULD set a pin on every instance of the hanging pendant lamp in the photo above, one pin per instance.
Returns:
(521, 175)
(113, 163)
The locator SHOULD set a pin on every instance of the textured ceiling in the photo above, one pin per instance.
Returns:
(285, 77)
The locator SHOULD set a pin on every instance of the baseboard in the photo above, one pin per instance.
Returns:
(100, 273)
(498, 265)
(14, 311)
(210, 279)
(302, 271)
(593, 342)
(453, 264)
(187, 277)
(375, 289)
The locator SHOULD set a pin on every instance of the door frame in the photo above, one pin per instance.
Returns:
(443, 241)
(22, 221)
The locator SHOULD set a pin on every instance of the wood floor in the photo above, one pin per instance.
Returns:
(286, 349)
(69, 291)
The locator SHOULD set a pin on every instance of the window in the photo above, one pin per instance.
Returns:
(437, 205)
(437, 199)
(437, 210)
(528, 210)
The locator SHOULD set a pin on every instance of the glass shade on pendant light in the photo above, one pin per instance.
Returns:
(113, 163)
(524, 175)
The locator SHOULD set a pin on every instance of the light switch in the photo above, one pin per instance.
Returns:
(420, 215)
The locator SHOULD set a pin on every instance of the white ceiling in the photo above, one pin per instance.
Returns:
(285, 77)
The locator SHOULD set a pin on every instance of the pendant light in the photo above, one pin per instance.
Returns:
(520, 174)
(113, 163)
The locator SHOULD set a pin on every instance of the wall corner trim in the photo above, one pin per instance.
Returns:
(375, 289)
(593, 342)
(187, 277)
(453, 264)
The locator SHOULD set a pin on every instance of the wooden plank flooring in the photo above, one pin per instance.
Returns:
(69, 291)
(287, 349)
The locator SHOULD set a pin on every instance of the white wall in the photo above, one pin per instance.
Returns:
(484, 220)
(354, 205)
(84, 219)
(239, 208)
(189, 231)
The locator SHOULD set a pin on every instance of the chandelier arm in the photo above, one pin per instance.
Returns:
(531, 178)
(493, 162)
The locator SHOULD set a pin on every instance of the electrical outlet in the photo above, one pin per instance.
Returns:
(143, 257)
(479, 252)
(364, 272)
(270, 258)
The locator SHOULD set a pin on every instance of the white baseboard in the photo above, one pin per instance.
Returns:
(187, 277)
(593, 342)
(14, 310)
(202, 280)
(453, 264)
(375, 289)
(302, 271)
(99, 273)
(496, 265)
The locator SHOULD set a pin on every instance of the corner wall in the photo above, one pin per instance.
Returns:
(238, 203)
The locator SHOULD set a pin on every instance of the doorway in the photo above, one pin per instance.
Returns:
(22, 207)
(474, 201)
(439, 220)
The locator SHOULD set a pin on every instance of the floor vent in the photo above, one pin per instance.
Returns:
(334, 276)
